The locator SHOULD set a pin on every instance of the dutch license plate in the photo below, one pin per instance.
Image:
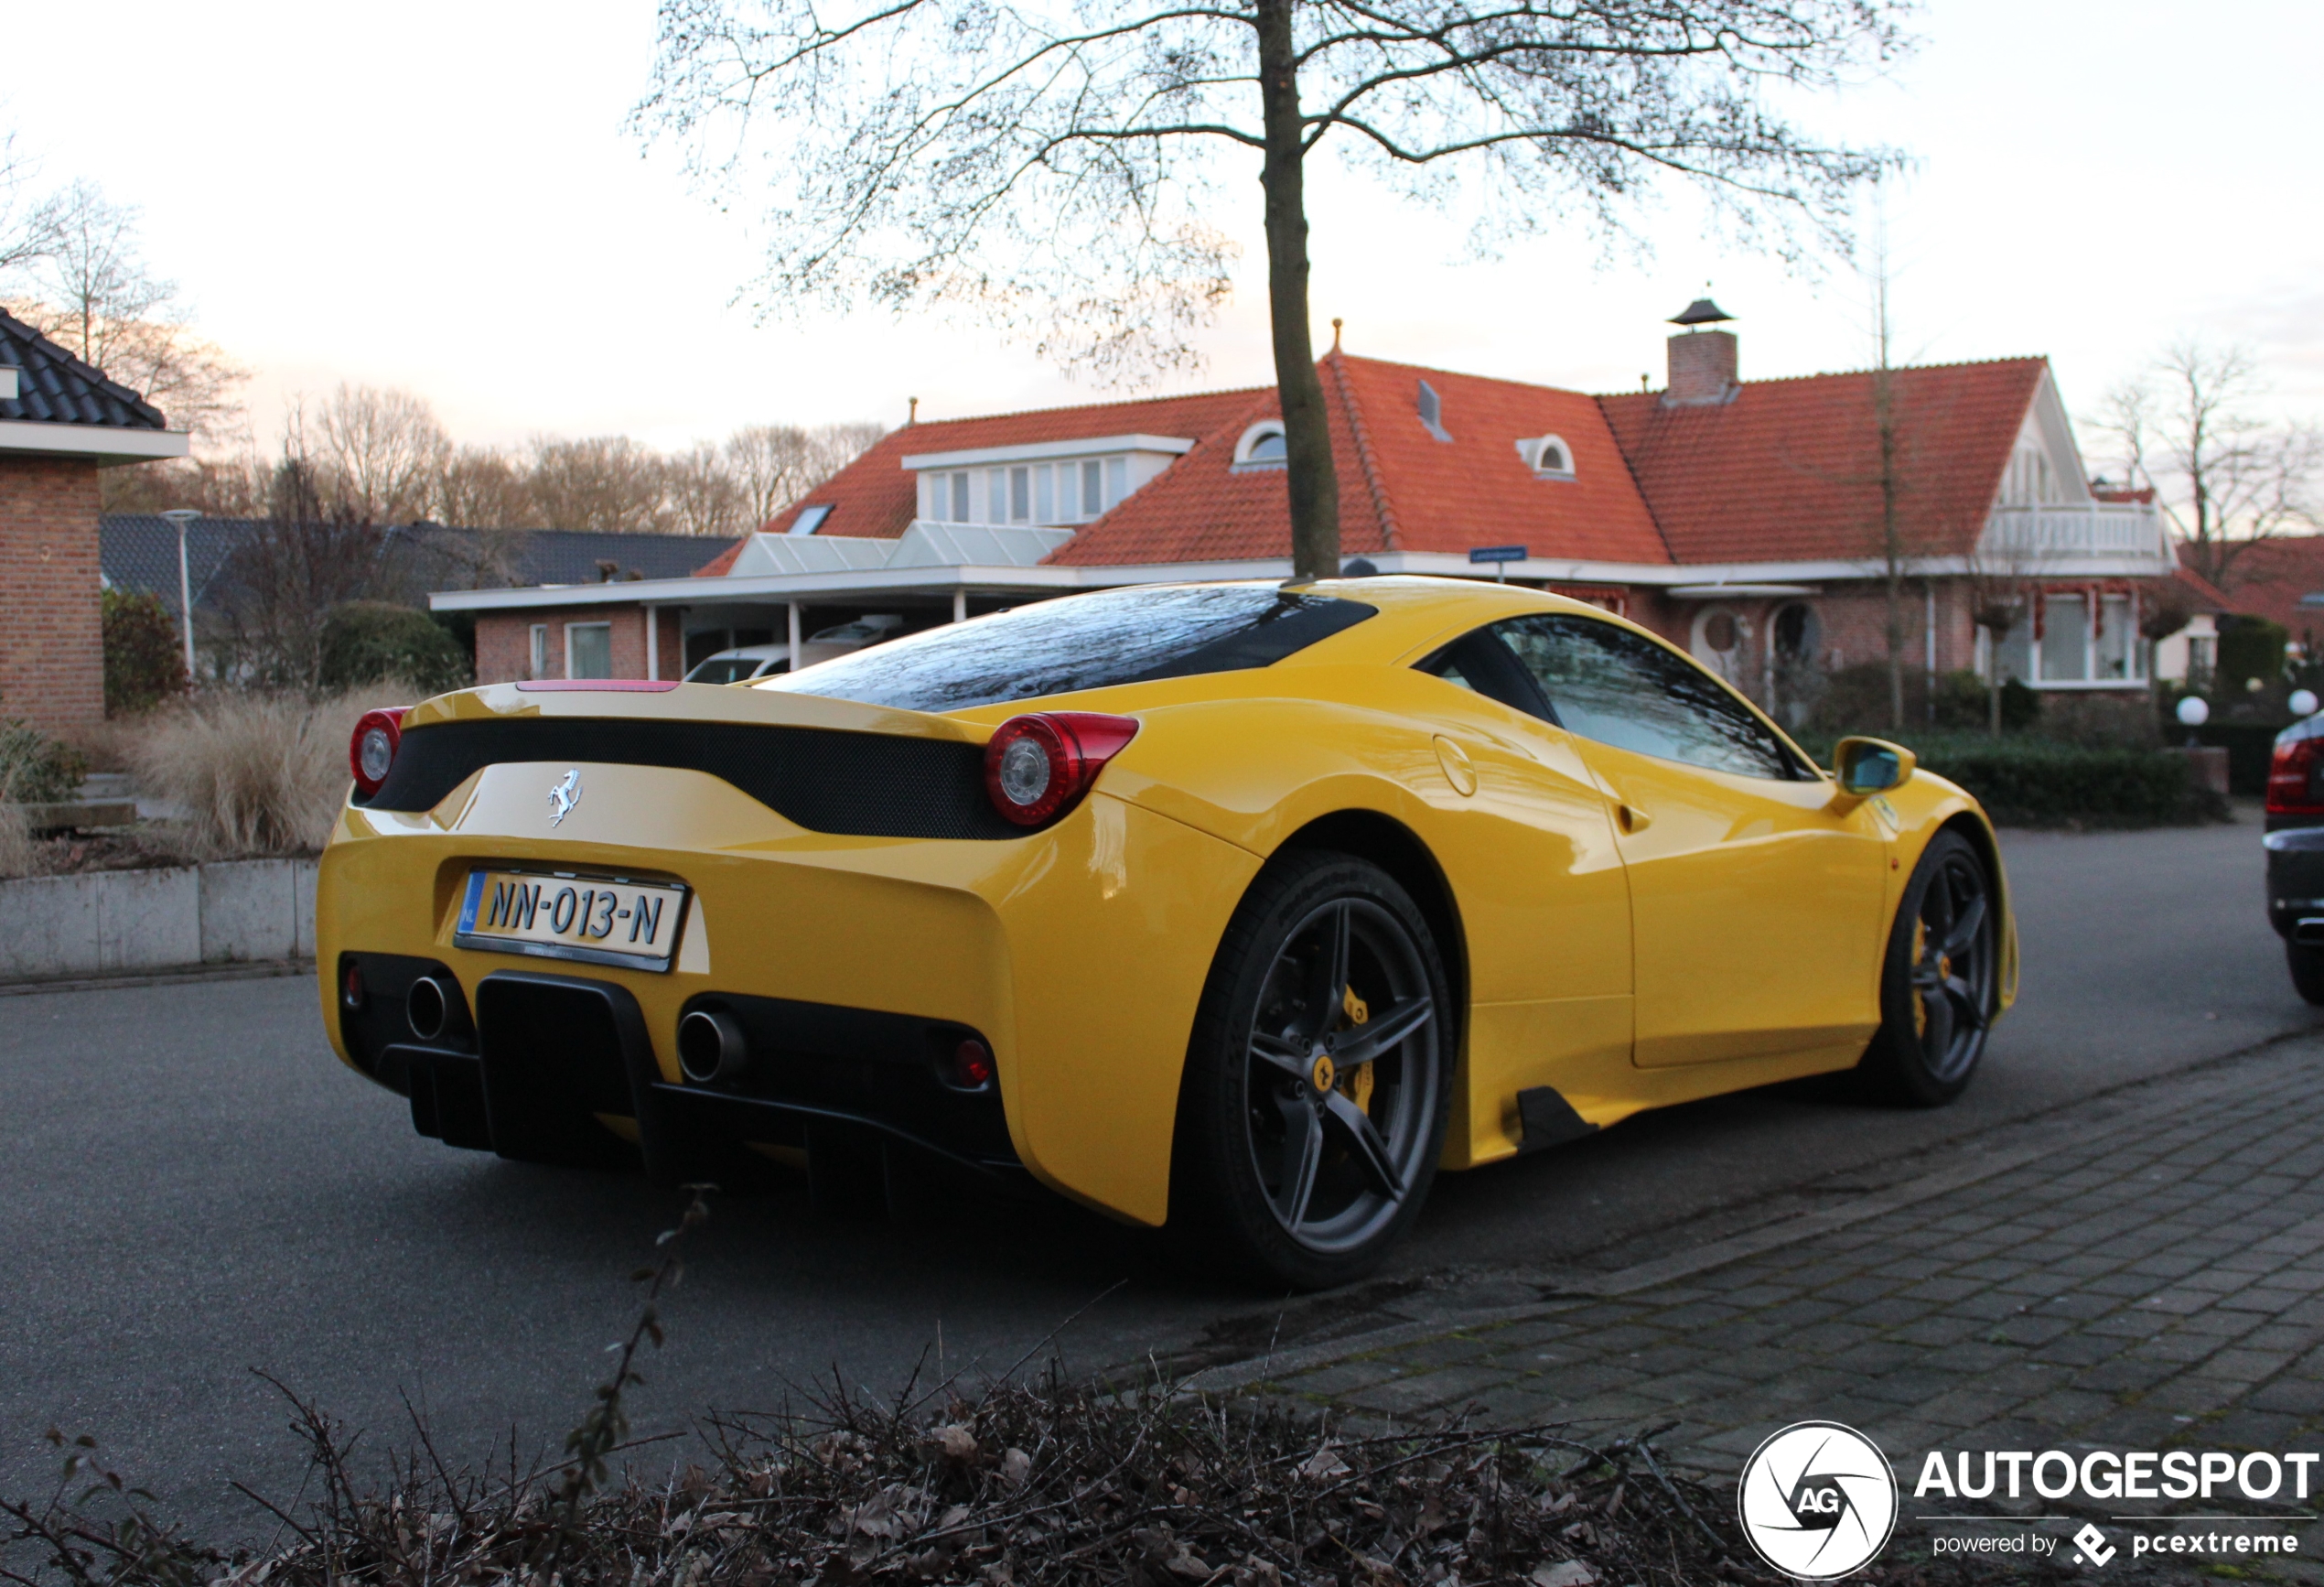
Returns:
(597, 920)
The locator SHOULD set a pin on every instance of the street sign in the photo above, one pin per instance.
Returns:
(1500, 557)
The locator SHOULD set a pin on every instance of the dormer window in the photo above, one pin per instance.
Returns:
(1262, 446)
(1548, 456)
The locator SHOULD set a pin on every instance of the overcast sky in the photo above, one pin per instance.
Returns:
(442, 197)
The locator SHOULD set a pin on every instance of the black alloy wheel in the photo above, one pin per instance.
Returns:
(1939, 988)
(1312, 1113)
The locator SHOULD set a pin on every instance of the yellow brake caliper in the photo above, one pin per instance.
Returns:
(1356, 1082)
(1920, 1002)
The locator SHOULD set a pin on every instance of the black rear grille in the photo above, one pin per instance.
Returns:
(859, 785)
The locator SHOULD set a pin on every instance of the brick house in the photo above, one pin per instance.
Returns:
(60, 421)
(1745, 521)
(139, 552)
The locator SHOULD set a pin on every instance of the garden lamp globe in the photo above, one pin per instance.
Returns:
(2303, 702)
(2194, 711)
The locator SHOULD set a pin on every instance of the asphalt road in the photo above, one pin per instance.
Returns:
(192, 1191)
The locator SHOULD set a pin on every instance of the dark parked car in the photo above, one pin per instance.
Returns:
(2294, 843)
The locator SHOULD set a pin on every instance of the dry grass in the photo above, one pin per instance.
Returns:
(20, 853)
(257, 775)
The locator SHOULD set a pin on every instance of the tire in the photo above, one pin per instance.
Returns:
(2307, 965)
(1312, 1111)
(1939, 983)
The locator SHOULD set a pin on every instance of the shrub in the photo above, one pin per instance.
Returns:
(1854, 699)
(257, 775)
(2102, 721)
(365, 642)
(2249, 647)
(2023, 781)
(144, 660)
(35, 768)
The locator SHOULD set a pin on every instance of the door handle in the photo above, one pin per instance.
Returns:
(1632, 818)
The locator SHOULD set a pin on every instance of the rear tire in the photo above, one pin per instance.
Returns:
(1312, 1111)
(1939, 983)
(2307, 965)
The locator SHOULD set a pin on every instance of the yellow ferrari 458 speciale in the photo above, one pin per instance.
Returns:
(1237, 908)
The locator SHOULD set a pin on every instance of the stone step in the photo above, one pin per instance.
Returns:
(80, 814)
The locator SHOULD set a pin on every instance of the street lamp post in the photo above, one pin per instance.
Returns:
(181, 517)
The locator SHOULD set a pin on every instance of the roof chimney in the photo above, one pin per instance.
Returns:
(1702, 362)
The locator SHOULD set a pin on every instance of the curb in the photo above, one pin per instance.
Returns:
(1565, 1290)
(1575, 1290)
(259, 970)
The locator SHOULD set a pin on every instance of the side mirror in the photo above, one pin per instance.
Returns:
(1869, 766)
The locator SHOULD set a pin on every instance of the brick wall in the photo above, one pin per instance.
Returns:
(504, 641)
(52, 657)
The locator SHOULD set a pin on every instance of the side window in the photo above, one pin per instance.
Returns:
(1621, 688)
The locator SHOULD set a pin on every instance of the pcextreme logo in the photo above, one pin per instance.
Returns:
(1817, 1500)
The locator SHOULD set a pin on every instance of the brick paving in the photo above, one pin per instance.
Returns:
(2154, 1282)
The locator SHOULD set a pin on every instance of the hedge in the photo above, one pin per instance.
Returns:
(2024, 781)
(365, 642)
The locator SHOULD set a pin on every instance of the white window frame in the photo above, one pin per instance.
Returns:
(1533, 447)
(1252, 437)
(573, 628)
(536, 660)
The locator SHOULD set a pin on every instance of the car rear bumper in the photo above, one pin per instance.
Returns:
(1077, 954)
(2295, 884)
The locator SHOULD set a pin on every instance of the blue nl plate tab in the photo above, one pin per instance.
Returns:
(1497, 553)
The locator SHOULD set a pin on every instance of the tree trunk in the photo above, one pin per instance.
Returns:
(1306, 437)
(1891, 538)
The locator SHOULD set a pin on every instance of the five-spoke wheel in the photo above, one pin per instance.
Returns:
(1313, 1111)
(1938, 990)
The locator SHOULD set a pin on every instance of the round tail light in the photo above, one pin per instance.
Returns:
(372, 751)
(1037, 766)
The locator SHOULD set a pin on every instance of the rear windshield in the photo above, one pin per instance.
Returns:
(1083, 642)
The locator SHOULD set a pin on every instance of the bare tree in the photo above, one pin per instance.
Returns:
(90, 289)
(607, 484)
(380, 452)
(285, 577)
(2227, 478)
(775, 465)
(27, 226)
(702, 495)
(1050, 168)
(482, 488)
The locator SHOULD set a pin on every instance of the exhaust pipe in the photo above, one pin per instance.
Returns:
(428, 1008)
(2310, 933)
(711, 1048)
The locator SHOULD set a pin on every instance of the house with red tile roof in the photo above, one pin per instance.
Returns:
(1757, 523)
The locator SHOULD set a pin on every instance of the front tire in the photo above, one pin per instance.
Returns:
(2307, 965)
(1312, 1111)
(1940, 984)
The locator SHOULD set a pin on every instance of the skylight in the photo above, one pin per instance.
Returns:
(810, 519)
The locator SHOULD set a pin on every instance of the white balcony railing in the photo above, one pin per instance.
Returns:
(2038, 534)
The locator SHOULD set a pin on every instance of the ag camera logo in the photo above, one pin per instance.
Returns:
(1817, 1500)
